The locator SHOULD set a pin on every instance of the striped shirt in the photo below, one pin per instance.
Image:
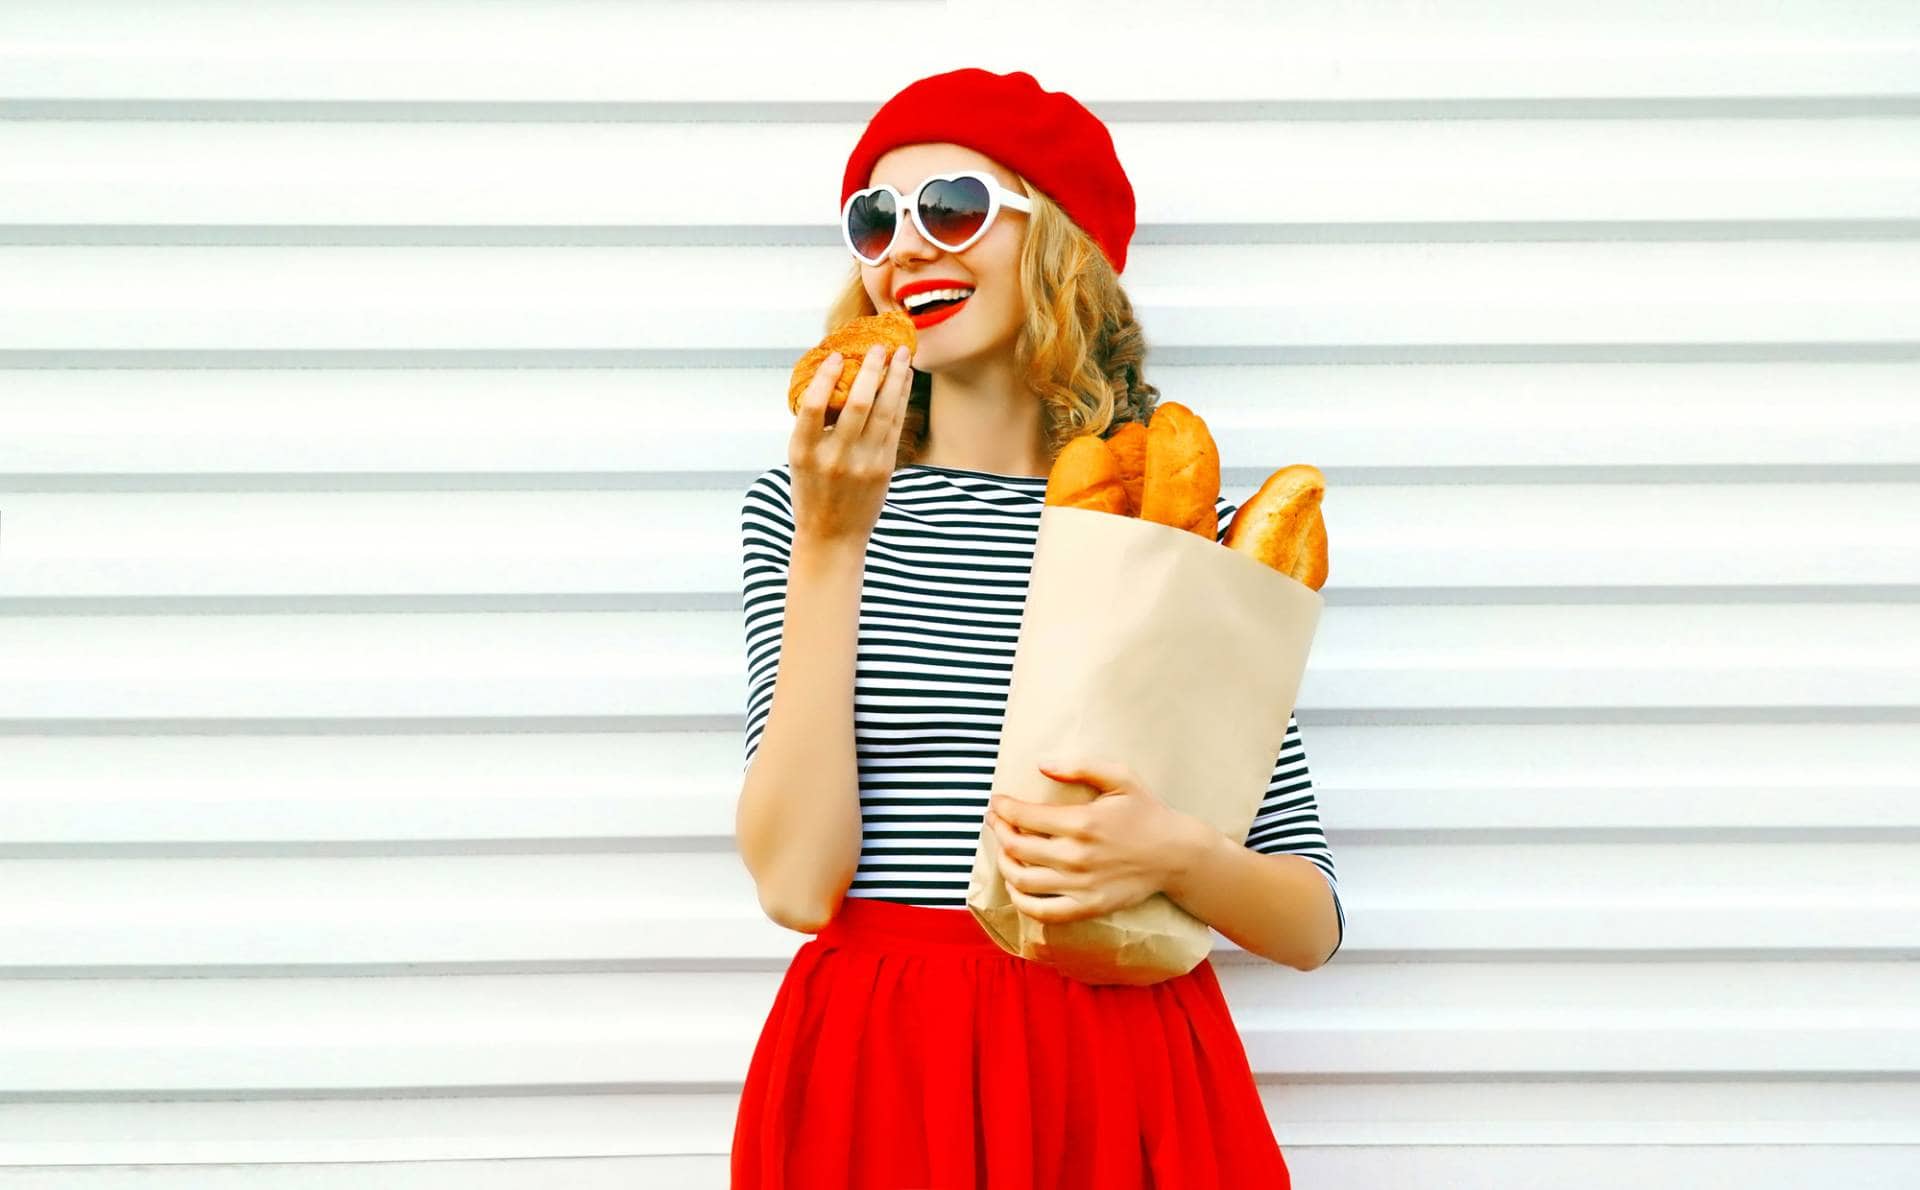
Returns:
(941, 598)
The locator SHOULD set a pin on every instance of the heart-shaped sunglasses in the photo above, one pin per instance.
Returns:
(952, 210)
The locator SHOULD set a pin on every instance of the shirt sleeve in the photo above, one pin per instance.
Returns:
(1288, 819)
(766, 548)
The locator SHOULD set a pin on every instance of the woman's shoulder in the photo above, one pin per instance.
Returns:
(775, 483)
(767, 503)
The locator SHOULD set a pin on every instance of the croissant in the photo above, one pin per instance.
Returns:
(1182, 479)
(852, 339)
(1281, 524)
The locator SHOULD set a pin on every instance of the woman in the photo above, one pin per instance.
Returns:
(885, 569)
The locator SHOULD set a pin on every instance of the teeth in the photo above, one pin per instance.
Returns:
(933, 295)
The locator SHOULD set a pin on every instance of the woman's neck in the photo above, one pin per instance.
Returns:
(985, 420)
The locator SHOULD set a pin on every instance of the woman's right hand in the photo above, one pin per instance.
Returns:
(841, 473)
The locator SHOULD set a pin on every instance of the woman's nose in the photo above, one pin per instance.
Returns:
(909, 244)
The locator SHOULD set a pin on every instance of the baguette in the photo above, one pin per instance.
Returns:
(1129, 446)
(1182, 478)
(1281, 524)
(852, 339)
(1086, 475)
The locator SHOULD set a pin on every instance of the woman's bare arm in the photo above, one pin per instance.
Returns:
(797, 826)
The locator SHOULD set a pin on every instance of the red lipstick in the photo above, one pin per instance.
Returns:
(932, 317)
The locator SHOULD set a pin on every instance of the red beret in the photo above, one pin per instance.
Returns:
(1045, 136)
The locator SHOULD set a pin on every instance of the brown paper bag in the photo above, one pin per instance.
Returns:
(1171, 654)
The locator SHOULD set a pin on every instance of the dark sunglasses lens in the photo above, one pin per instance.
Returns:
(870, 223)
(953, 209)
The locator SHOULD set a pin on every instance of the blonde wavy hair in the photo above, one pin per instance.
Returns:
(1079, 347)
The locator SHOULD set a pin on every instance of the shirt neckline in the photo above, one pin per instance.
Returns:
(1036, 479)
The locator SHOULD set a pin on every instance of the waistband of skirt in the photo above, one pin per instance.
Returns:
(897, 926)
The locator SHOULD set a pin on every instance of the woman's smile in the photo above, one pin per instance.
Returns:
(935, 317)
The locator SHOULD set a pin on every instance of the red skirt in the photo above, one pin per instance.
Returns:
(906, 1051)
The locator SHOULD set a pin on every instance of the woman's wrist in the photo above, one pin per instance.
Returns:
(1195, 845)
(836, 549)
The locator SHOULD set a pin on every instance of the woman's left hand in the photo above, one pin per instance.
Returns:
(1110, 853)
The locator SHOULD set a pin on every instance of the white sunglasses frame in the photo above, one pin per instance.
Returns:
(997, 197)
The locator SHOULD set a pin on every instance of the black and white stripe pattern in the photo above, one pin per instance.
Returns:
(940, 608)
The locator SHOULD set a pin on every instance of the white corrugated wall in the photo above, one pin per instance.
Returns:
(378, 383)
